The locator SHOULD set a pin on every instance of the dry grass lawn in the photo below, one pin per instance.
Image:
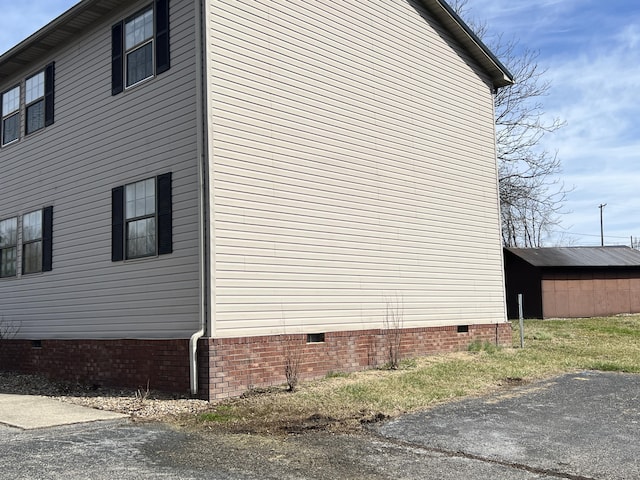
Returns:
(344, 402)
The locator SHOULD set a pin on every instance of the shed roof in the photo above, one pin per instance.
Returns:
(85, 12)
(618, 256)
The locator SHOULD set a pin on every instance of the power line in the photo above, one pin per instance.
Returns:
(567, 232)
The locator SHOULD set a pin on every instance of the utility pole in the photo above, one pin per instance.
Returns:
(601, 207)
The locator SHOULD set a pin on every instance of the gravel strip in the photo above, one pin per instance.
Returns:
(139, 404)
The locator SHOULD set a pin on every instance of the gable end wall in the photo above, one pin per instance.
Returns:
(353, 168)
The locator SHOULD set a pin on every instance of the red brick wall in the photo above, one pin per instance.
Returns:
(231, 366)
(124, 363)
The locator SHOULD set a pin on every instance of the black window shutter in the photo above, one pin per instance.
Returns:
(117, 51)
(165, 221)
(117, 224)
(162, 36)
(47, 239)
(49, 73)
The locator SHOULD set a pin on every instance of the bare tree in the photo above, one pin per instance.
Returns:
(531, 196)
(393, 324)
(8, 329)
(292, 359)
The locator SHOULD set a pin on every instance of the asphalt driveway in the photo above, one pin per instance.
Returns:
(580, 426)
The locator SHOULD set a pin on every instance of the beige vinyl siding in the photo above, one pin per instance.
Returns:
(353, 165)
(99, 142)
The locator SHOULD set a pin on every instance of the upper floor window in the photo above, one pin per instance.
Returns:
(34, 100)
(37, 105)
(140, 46)
(11, 115)
(8, 247)
(138, 34)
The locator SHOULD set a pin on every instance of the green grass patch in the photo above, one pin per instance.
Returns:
(337, 375)
(478, 346)
(536, 335)
(221, 414)
(608, 366)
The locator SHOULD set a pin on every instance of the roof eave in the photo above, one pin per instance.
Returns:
(55, 33)
(499, 74)
(74, 20)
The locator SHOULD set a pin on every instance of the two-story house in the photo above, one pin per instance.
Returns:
(192, 190)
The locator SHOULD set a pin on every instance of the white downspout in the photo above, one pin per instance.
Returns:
(193, 360)
(202, 311)
(202, 199)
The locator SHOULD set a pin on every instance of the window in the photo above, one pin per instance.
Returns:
(8, 247)
(35, 254)
(32, 242)
(140, 216)
(142, 219)
(11, 115)
(140, 46)
(38, 105)
(34, 100)
(138, 34)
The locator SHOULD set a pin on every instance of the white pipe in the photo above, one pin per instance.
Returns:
(202, 198)
(193, 341)
(193, 360)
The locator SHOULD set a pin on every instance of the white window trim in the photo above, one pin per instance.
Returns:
(13, 245)
(128, 220)
(11, 114)
(33, 102)
(128, 51)
(25, 242)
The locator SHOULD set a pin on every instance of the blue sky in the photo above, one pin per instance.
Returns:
(591, 51)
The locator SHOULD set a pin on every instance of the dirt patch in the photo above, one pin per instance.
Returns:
(512, 382)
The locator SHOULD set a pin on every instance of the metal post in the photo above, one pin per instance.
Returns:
(521, 315)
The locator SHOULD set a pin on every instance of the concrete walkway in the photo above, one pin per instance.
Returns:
(33, 411)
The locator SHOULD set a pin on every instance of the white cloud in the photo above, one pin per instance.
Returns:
(590, 51)
(629, 37)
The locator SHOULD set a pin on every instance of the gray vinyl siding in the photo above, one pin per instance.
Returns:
(353, 166)
(99, 142)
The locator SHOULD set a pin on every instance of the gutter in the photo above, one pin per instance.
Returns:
(203, 212)
(500, 75)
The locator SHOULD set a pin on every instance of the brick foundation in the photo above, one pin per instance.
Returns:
(164, 364)
(229, 367)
